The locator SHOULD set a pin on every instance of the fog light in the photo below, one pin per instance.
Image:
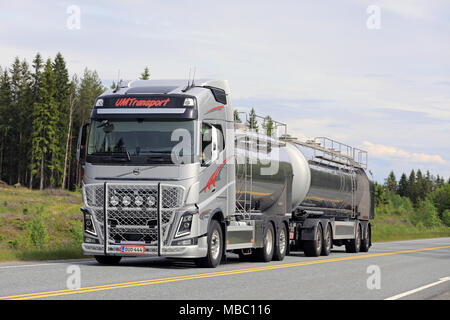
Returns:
(139, 201)
(114, 200)
(151, 201)
(126, 201)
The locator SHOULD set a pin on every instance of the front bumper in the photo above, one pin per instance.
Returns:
(193, 251)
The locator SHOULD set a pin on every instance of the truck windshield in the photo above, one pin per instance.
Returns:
(140, 141)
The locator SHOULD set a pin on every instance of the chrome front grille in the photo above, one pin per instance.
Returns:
(132, 211)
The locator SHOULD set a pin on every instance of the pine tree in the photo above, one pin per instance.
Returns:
(90, 88)
(391, 182)
(61, 99)
(403, 186)
(5, 124)
(268, 126)
(236, 116)
(45, 121)
(73, 97)
(146, 74)
(21, 117)
(412, 187)
(252, 123)
(36, 97)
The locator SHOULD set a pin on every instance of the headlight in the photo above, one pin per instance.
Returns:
(114, 200)
(89, 224)
(126, 201)
(184, 228)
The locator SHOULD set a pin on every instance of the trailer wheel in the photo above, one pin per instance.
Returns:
(108, 260)
(354, 245)
(215, 247)
(313, 248)
(327, 241)
(265, 253)
(283, 242)
(365, 243)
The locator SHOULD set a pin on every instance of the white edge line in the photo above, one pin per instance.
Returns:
(407, 293)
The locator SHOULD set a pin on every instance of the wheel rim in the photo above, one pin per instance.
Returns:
(215, 244)
(269, 241)
(358, 238)
(328, 239)
(282, 239)
(319, 239)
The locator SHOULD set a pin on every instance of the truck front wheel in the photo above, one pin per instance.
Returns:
(215, 247)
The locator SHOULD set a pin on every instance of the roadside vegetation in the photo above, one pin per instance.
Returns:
(415, 207)
(40, 225)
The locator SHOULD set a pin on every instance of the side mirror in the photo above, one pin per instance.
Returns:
(82, 144)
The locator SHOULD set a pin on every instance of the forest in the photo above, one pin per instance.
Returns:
(41, 112)
(421, 199)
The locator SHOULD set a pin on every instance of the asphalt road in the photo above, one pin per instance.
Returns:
(417, 269)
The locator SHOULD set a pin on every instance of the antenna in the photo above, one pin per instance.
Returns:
(188, 82)
(193, 77)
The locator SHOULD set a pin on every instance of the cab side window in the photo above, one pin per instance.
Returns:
(212, 143)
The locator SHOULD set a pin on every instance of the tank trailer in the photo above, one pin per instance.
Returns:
(168, 172)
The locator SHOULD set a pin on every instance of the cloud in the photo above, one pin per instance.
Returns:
(383, 152)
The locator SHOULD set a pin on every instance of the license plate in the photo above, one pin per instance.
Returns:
(132, 249)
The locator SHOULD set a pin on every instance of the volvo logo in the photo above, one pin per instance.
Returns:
(136, 171)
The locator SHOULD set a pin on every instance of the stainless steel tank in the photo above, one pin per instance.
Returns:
(300, 178)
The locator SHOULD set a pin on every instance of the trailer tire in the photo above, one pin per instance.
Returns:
(215, 247)
(265, 253)
(327, 241)
(108, 260)
(313, 248)
(282, 244)
(365, 243)
(354, 245)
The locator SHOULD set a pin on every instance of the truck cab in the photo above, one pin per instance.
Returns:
(156, 171)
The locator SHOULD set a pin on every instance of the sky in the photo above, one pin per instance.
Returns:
(371, 74)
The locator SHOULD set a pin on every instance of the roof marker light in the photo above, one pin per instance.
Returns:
(188, 102)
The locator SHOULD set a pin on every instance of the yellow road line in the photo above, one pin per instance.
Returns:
(205, 275)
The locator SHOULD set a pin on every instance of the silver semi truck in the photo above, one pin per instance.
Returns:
(167, 171)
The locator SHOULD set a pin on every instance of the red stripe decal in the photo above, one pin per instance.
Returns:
(215, 108)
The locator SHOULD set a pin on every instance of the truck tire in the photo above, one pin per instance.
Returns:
(108, 260)
(365, 243)
(265, 253)
(283, 242)
(215, 247)
(313, 248)
(327, 241)
(354, 245)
